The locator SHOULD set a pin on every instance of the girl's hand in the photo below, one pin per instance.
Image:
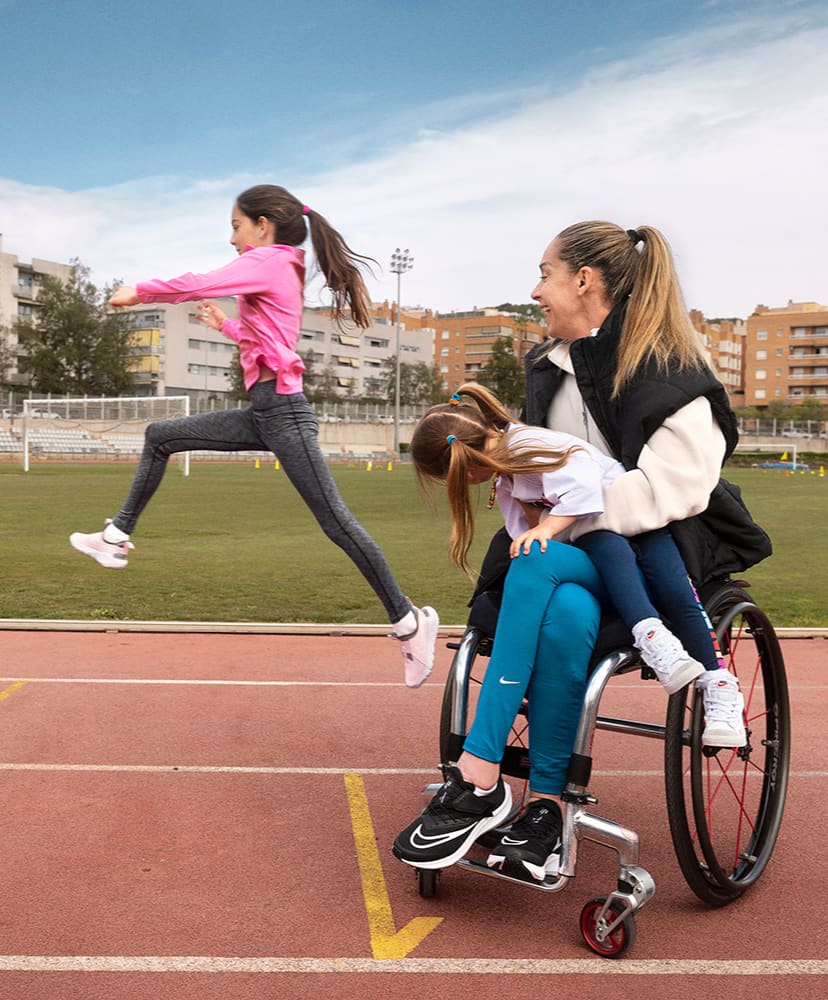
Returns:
(545, 531)
(211, 315)
(124, 296)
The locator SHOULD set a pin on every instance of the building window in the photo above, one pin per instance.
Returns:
(446, 334)
(761, 355)
(761, 374)
(760, 393)
(761, 334)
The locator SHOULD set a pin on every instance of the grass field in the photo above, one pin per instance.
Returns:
(233, 543)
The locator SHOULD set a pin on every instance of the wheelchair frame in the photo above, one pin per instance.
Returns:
(724, 806)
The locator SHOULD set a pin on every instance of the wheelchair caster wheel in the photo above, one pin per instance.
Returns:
(594, 929)
(427, 882)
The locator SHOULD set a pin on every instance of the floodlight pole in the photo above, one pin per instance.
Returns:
(401, 261)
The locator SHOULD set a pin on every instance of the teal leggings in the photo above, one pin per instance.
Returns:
(546, 632)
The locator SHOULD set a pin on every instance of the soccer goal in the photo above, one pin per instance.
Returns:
(95, 428)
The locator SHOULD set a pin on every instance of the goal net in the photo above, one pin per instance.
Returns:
(95, 428)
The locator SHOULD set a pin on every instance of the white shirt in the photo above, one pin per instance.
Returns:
(576, 489)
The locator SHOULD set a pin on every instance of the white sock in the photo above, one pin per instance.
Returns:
(480, 792)
(114, 535)
(405, 627)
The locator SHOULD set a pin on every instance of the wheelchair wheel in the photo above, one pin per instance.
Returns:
(725, 805)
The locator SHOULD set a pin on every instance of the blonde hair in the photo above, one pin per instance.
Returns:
(657, 325)
(452, 439)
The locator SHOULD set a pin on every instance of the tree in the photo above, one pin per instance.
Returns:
(529, 310)
(235, 376)
(502, 374)
(73, 343)
(421, 384)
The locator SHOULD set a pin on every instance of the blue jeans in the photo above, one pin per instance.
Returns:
(546, 632)
(674, 597)
(287, 426)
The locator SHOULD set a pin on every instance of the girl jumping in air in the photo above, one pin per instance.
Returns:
(269, 225)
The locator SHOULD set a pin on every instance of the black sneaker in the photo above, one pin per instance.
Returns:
(451, 822)
(531, 849)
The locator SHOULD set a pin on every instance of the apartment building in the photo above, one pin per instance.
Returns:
(725, 341)
(20, 283)
(787, 354)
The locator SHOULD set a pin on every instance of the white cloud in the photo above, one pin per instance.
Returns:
(717, 140)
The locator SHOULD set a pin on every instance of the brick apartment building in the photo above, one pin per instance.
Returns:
(787, 354)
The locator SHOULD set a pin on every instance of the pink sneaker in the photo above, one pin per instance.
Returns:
(111, 555)
(418, 648)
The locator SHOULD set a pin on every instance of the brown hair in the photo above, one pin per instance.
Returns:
(454, 438)
(337, 262)
(656, 324)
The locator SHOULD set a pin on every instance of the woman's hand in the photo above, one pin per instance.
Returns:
(545, 531)
(124, 296)
(210, 314)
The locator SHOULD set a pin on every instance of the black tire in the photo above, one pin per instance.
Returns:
(617, 943)
(427, 882)
(725, 806)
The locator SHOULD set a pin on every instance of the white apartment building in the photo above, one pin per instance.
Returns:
(19, 286)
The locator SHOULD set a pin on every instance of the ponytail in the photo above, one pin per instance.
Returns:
(337, 262)
(656, 325)
(452, 439)
(341, 268)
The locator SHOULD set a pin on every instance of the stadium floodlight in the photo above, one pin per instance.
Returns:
(401, 261)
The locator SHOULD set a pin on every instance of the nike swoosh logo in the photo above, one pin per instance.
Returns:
(507, 841)
(504, 681)
(421, 840)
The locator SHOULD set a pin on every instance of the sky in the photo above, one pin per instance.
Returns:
(469, 133)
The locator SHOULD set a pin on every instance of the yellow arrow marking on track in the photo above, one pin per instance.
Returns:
(11, 689)
(386, 940)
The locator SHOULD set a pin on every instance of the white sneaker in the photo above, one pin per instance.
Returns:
(724, 711)
(667, 658)
(111, 555)
(418, 648)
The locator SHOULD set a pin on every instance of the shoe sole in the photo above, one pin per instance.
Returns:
(108, 562)
(522, 870)
(485, 824)
(433, 622)
(682, 677)
(723, 739)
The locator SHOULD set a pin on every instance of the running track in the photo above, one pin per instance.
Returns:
(206, 816)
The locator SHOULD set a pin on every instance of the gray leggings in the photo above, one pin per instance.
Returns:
(287, 426)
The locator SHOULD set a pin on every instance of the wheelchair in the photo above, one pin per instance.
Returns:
(724, 806)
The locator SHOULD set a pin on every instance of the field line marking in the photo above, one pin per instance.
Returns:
(9, 691)
(436, 966)
(429, 772)
(386, 941)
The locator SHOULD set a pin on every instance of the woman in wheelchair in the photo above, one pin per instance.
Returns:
(627, 373)
(544, 483)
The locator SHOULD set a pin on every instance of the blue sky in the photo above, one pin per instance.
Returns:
(469, 132)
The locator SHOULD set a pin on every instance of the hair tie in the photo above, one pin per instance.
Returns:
(450, 438)
(305, 210)
(454, 399)
(635, 236)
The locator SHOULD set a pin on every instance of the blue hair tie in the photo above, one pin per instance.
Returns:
(454, 399)
(450, 438)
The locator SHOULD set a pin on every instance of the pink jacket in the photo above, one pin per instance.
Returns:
(269, 282)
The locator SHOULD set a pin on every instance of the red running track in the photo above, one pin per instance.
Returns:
(210, 816)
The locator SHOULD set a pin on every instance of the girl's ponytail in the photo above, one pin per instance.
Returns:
(337, 262)
(341, 267)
